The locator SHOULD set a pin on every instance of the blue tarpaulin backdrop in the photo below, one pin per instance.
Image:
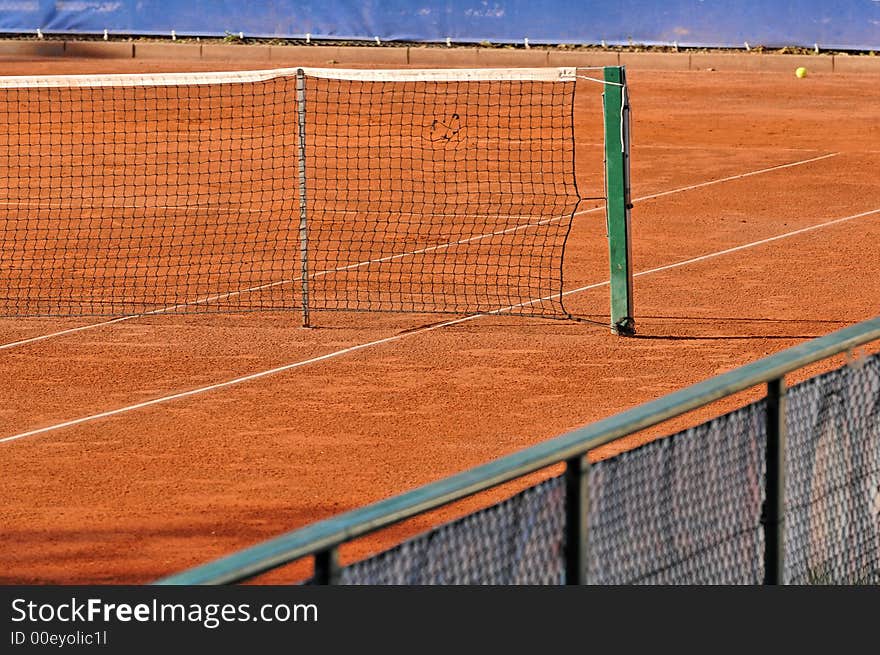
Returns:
(838, 24)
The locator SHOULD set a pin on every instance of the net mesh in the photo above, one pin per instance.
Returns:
(682, 510)
(135, 199)
(517, 541)
(140, 194)
(833, 477)
(439, 196)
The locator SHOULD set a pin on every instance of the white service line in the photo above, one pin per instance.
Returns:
(402, 335)
(759, 243)
(702, 148)
(736, 177)
(268, 285)
(61, 333)
(163, 310)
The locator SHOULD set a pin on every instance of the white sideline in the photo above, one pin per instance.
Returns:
(399, 336)
(163, 310)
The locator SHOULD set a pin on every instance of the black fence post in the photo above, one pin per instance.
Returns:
(327, 567)
(774, 498)
(576, 504)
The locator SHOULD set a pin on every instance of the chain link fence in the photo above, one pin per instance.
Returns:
(518, 541)
(833, 477)
(686, 509)
(783, 490)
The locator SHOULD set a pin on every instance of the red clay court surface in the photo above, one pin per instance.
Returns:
(756, 227)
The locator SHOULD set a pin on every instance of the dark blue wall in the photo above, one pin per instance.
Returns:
(841, 24)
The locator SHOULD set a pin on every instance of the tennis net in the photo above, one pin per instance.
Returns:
(308, 189)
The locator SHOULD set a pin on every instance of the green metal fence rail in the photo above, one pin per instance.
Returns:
(322, 540)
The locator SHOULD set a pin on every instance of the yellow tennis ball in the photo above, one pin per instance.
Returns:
(801, 72)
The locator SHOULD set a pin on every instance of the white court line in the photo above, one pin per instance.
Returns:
(354, 211)
(228, 383)
(758, 243)
(226, 208)
(737, 177)
(402, 335)
(90, 326)
(268, 285)
(670, 146)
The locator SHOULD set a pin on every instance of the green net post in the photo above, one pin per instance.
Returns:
(618, 201)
